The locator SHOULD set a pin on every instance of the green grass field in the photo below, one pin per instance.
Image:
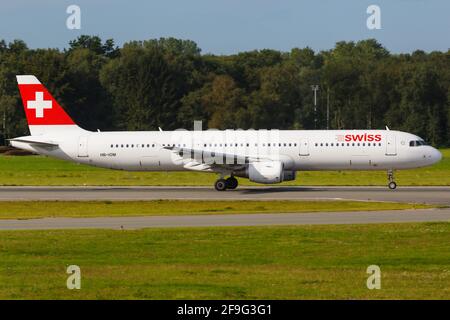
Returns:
(38, 170)
(40, 209)
(301, 262)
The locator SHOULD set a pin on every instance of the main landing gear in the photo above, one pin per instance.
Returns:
(224, 184)
(392, 185)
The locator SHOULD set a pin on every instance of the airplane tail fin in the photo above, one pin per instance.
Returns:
(43, 112)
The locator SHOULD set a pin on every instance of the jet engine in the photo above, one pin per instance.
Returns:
(265, 172)
(268, 172)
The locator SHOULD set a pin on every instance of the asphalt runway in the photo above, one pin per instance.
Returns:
(431, 195)
(276, 219)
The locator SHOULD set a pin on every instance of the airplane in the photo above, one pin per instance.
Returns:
(262, 156)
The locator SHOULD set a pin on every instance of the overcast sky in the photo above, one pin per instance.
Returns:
(230, 26)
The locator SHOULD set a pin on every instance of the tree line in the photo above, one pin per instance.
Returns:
(169, 83)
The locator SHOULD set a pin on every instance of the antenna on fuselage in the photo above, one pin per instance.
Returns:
(387, 128)
(160, 129)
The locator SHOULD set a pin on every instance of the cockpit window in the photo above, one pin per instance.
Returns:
(416, 143)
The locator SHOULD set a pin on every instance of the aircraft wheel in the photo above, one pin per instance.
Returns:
(221, 185)
(392, 185)
(232, 183)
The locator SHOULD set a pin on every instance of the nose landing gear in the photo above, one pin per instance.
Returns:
(392, 185)
(224, 184)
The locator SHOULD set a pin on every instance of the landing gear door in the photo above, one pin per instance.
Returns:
(391, 144)
(83, 147)
(304, 147)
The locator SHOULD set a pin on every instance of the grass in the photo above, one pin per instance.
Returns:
(291, 262)
(38, 170)
(40, 209)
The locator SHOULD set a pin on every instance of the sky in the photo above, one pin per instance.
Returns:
(231, 26)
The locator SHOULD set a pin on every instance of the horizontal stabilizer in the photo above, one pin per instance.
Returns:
(35, 142)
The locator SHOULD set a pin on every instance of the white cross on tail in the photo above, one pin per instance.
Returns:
(39, 104)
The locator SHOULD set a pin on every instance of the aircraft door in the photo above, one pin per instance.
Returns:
(391, 144)
(83, 147)
(303, 147)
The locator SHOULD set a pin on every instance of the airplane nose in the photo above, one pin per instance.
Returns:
(436, 156)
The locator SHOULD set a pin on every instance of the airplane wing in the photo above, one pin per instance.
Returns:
(211, 161)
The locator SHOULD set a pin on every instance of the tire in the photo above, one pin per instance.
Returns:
(221, 185)
(232, 183)
(392, 185)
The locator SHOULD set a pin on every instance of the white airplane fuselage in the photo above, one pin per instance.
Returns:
(301, 150)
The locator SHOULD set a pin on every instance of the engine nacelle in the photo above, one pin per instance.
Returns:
(265, 172)
(289, 175)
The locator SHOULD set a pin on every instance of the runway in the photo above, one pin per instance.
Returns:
(320, 218)
(430, 195)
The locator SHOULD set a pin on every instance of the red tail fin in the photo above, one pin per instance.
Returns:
(40, 107)
(44, 114)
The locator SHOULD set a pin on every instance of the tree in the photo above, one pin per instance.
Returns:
(167, 82)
